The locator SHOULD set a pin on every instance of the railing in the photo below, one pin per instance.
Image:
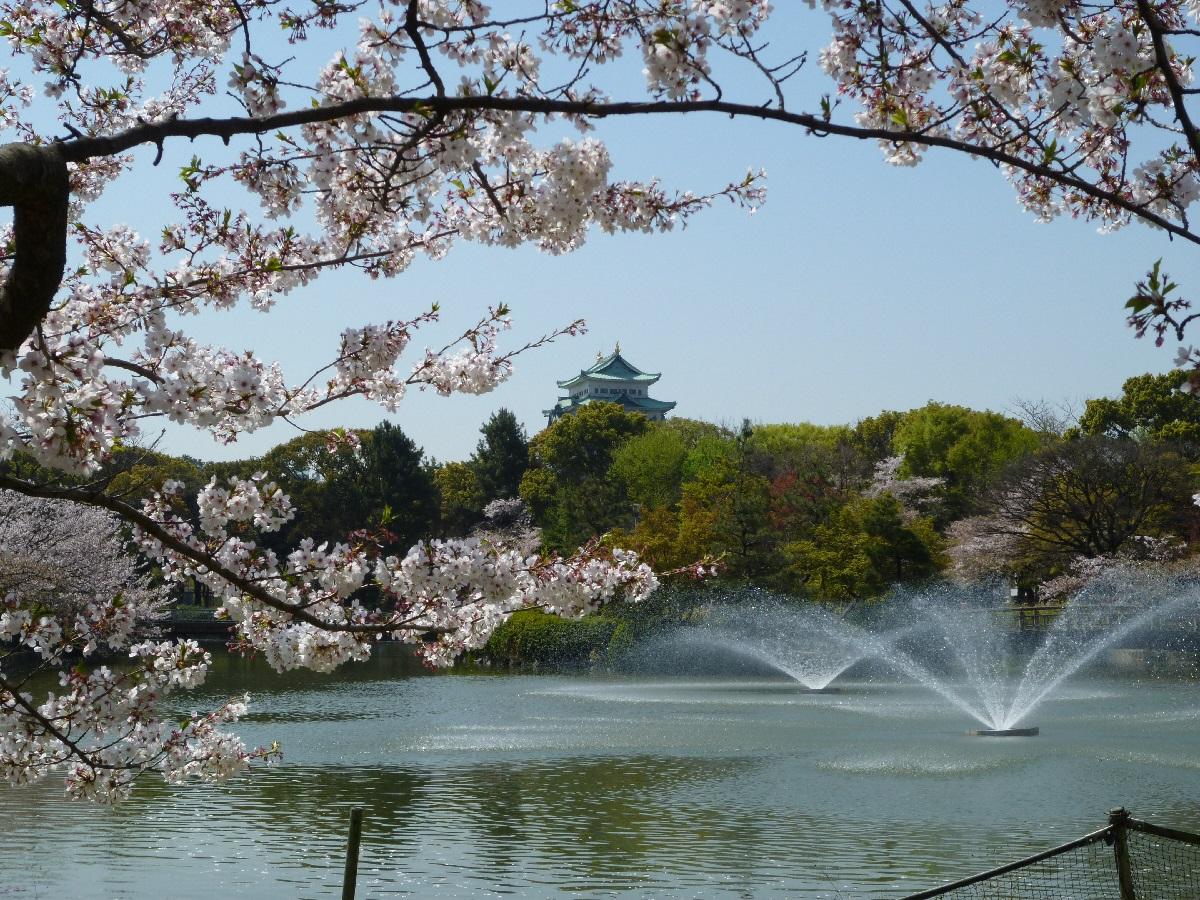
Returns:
(1128, 859)
(1031, 617)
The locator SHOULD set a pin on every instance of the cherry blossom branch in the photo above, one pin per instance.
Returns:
(228, 128)
(1163, 60)
(150, 526)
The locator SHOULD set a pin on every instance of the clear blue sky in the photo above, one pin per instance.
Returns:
(857, 287)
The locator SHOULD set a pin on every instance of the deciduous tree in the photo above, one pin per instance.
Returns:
(1151, 406)
(460, 498)
(1091, 497)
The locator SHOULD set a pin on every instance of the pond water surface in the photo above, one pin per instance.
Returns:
(594, 787)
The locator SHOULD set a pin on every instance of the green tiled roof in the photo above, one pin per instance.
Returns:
(631, 404)
(649, 404)
(613, 367)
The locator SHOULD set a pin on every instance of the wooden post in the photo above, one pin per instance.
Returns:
(350, 878)
(1117, 819)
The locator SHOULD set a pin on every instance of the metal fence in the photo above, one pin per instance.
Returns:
(1128, 859)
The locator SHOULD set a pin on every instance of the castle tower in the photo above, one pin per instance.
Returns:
(611, 379)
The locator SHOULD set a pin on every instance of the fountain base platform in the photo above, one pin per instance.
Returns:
(1005, 732)
(824, 690)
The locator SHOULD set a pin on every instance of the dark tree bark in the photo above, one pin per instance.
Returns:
(33, 180)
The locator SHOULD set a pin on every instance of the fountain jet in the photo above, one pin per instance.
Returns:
(967, 654)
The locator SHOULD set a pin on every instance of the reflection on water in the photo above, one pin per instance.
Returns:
(491, 786)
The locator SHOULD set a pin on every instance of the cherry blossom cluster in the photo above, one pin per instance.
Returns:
(445, 597)
(914, 493)
(71, 592)
(104, 727)
(1055, 92)
(68, 561)
(377, 186)
(1144, 553)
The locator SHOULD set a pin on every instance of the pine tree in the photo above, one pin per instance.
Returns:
(501, 457)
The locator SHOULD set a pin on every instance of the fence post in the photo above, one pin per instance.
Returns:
(1118, 820)
(350, 878)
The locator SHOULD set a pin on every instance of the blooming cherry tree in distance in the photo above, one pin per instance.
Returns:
(440, 121)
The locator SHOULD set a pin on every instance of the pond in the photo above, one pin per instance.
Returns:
(596, 786)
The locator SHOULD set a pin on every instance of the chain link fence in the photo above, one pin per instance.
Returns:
(1126, 860)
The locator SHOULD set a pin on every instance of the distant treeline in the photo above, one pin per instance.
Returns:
(838, 513)
(845, 512)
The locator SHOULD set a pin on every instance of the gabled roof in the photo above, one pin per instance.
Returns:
(648, 404)
(613, 367)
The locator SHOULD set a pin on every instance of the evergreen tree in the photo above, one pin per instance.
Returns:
(501, 457)
(384, 480)
(394, 486)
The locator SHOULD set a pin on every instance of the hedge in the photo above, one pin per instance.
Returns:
(534, 638)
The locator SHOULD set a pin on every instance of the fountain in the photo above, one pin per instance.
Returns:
(969, 655)
(807, 643)
(959, 642)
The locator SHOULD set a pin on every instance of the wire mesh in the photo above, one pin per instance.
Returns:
(1161, 868)
(1085, 873)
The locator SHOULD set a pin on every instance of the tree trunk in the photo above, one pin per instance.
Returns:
(33, 180)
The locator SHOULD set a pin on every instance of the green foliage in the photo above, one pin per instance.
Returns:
(532, 637)
(739, 497)
(809, 492)
(650, 466)
(711, 454)
(582, 444)
(134, 473)
(967, 447)
(1149, 405)
(833, 565)
(725, 506)
(583, 510)
(460, 498)
(538, 488)
(382, 481)
(867, 546)
(691, 431)
(390, 475)
(872, 436)
(656, 538)
(573, 498)
(501, 457)
(789, 445)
